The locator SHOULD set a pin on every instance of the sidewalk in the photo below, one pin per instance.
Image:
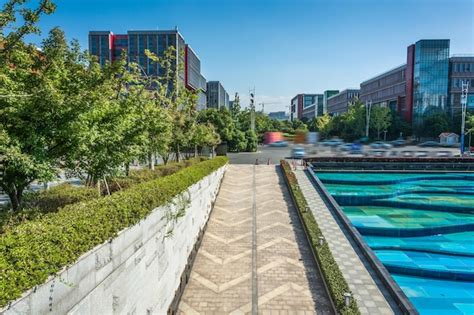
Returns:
(254, 255)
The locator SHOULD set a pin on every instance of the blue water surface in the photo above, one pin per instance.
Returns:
(421, 227)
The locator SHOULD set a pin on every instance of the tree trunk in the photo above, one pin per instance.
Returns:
(14, 201)
(151, 161)
(165, 157)
(195, 151)
(16, 196)
(177, 153)
(127, 168)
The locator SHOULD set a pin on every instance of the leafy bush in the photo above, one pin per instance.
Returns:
(139, 176)
(333, 276)
(59, 196)
(35, 249)
(39, 203)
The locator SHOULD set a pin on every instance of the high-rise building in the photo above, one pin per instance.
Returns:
(339, 103)
(327, 94)
(217, 97)
(386, 89)
(429, 82)
(430, 79)
(109, 47)
(461, 69)
(303, 106)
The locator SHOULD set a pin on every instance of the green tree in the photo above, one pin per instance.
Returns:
(222, 121)
(205, 135)
(251, 141)
(40, 104)
(380, 119)
(354, 122)
(434, 125)
(110, 131)
(323, 125)
(399, 126)
(235, 109)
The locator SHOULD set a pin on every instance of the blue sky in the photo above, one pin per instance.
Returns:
(282, 47)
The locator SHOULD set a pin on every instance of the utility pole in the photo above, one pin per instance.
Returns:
(252, 109)
(368, 107)
(464, 90)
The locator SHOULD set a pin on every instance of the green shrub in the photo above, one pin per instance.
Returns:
(39, 203)
(59, 196)
(35, 249)
(333, 276)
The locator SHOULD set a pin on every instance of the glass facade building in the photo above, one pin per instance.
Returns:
(217, 97)
(100, 45)
(107, 46)
(430, 79)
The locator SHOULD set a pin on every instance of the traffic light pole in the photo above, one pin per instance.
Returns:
(464, 88)
(252, 109)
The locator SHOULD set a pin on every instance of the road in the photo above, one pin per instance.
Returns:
(266, 154)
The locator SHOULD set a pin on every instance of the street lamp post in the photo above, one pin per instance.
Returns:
(464, 90)
(368, 107)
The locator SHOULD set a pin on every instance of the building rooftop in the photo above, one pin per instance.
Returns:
(378, 76)
(344, 91)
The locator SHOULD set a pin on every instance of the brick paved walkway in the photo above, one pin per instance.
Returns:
(372, 297)
(245, 265)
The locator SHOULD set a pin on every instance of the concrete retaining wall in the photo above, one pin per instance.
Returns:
(137, 272)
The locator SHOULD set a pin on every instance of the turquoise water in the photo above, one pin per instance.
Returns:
(421, 227)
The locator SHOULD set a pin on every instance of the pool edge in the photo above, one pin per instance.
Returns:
(405, 305)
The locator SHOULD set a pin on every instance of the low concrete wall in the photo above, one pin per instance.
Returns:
(138, 271)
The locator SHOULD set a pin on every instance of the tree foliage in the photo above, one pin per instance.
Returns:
(380, 119)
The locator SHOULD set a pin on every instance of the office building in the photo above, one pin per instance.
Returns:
(303, 106)
(281, 115)
(107, 46)
(430, 79)
(327, 94)
(461, 69)
(386, 89)
(429, 82)
(217, 97)
(339, 103)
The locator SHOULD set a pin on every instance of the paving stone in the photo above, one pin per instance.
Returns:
(288, 280)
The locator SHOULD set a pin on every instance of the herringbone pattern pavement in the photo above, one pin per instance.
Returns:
(221, 279)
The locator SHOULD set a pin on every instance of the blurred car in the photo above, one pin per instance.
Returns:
(279, 144)
(297, 153)
(398, 143)
(380, 145)
(345, 147)
(332, 142)
(430, 144)
(356, 148)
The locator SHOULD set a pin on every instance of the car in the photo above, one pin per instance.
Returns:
(332, 142)
(380, 145)
(297, 153)
(430, 144)
(345, 147)
(279, 143)
(398, 143)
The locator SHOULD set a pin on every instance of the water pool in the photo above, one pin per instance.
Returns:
(420, 226)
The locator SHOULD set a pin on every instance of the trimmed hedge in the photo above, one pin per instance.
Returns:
(333, 276)
(139, 176)
(34, 250)
(39, 203)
